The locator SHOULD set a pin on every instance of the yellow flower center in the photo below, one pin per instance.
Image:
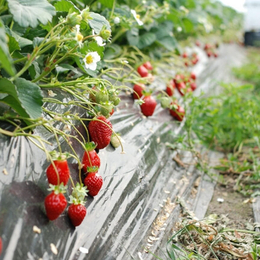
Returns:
(79, 37)
(138, 17)
(89, 59)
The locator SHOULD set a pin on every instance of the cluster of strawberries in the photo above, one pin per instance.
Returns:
(210, 49)
(190, 60)
(184, 83)
(58, 175)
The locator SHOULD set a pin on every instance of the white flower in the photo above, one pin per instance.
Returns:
(91, 60)
(116, 20)
(99, 41)
(79, 37)
(137, 17)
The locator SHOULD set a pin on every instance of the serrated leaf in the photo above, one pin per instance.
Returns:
(25, 97)
(65, 6)
(168, 42)
(30, 12)
(13, 45)
(5, 57)
(98, 22)
(146, 40)
(21, 40)
(30, 96)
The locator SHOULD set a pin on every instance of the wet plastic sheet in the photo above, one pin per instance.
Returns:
(137, 187)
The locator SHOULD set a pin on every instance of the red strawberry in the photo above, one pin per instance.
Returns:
(1, 245)
(193, 75)
(148, 65)
(194, 61)
(138, 89)
(94, 182)
(55, 203)
(178, 78)
(209, 53)
(170, 88)
(197, 43)
(100, 130)
(177, 111)
(142, 70)
(193, 86)
(90, 157)
(77, 213)
(185, 55)
(215, 55)
(62, 171)
(181, 88)
(149, 105)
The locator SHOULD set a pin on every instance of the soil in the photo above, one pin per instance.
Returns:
(236, 206)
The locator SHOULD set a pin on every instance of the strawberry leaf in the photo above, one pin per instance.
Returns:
(5, 57)
(24, 97)
(30, 12)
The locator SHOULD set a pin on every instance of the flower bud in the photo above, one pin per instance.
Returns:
(74, 19)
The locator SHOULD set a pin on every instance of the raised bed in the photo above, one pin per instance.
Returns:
(140, 199)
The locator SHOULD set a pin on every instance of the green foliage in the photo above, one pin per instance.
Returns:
(31, 12)
(228, 120)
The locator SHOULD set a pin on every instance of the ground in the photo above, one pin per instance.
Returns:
(235, 204)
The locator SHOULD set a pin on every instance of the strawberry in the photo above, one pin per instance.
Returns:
(193, 75)
(1, 245)
(138, 90)
(197, 43)
(193, 85)
(77, 211)
(142, 70)
(149, 105)
(178, 78)
(215, 55)
(177, 111)
(90, 157)
(100, 130)
(170, 88)
(148, 65)
(61, 175)
(181, 88)
(55, 203)
(185, 55)
(93, 182)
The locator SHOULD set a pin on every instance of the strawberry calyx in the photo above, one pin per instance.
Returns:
(92, 169)
(59, 156)
(78, 194)
(147, 93)
(57, 189)
(90, 146)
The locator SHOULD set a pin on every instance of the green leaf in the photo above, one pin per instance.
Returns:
(30, 12)
(107, 3)
(21, 40)
(188, 25)
(34, 70)
(30, 96)
(98, 22)
(66, 6)
(146, 40)
(25, 97)
(5, 57)
(13, 44)
(168, 42)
